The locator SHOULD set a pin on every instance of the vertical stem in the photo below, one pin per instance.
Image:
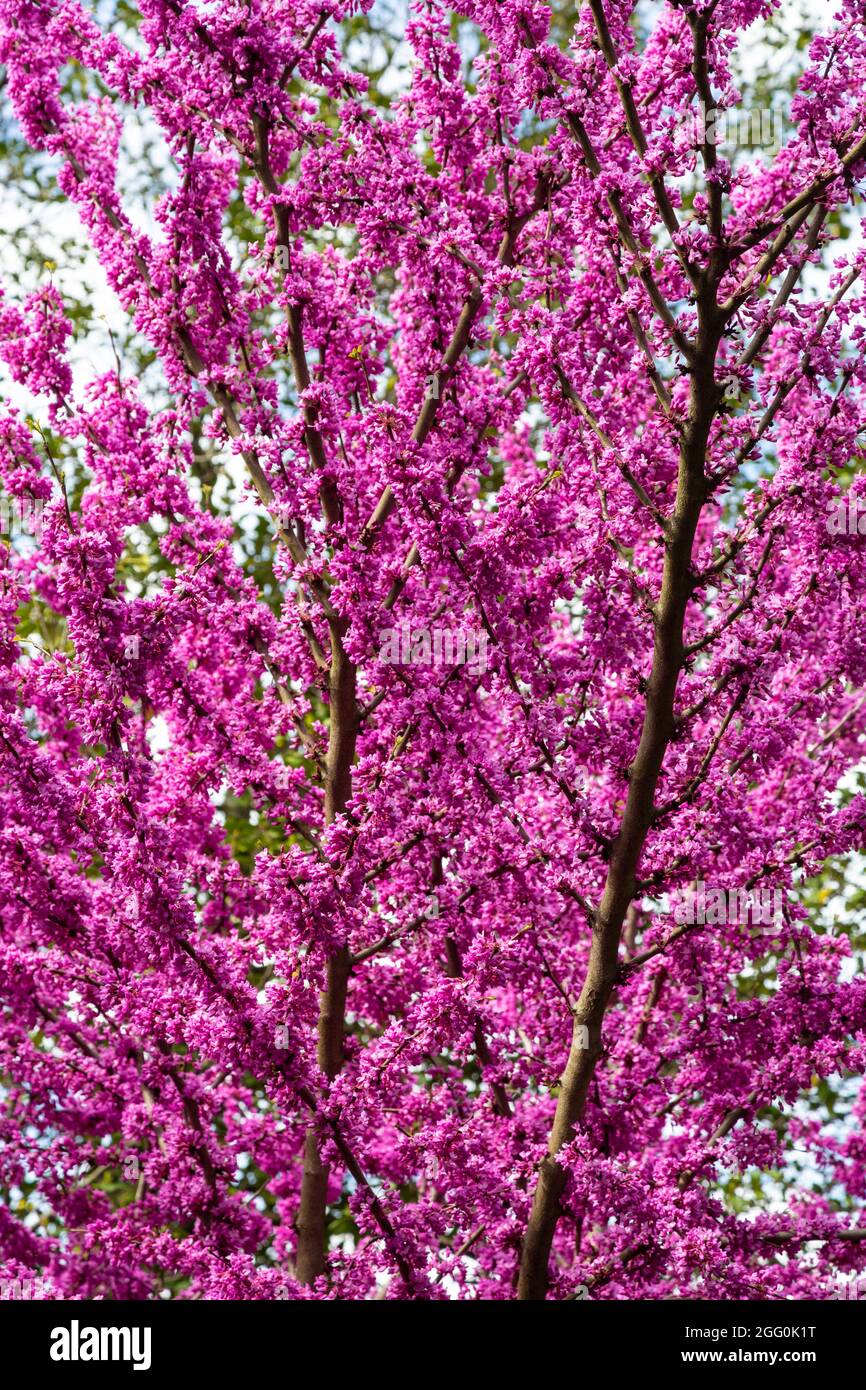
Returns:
(343, 731)
(658, 725)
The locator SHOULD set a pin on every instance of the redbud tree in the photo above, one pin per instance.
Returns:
(421, 675)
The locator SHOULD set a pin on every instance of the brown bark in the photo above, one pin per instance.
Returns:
(658, 726)
(312, 1212)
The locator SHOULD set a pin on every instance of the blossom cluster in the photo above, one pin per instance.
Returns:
(512, 359)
